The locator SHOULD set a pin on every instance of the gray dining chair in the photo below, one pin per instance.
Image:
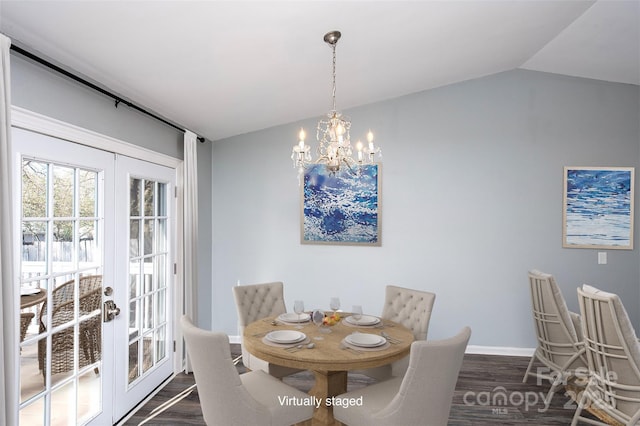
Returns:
(229, 399)
(423, 396)
(613, 356)
(411, 308)
(558, 332)
(255, 302)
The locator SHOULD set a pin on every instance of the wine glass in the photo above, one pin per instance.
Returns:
(334, 304)
(318, 317)
(298, 308)
(356, 311)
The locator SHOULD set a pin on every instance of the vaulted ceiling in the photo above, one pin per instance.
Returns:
(223, 68)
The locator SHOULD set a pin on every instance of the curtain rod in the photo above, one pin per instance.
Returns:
(118, 100)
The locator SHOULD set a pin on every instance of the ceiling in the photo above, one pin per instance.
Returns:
(223, 68)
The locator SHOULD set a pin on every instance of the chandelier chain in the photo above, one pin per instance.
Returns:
(333, 93)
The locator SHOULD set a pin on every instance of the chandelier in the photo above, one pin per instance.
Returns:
(334, 141)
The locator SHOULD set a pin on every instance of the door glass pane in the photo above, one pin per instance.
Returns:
(162, 202)
(63, 352)
(34, 188)
(161, 342)
(161, 237)
(149, 205)
(147, 313)
(161, 309)
(63, 191)
(134, 279)
(60, 294)
(134, 319)
(33, 414)
(135, 192)
(134, 237)
(148, 275)
(147, 356)
(31, 379)
(87, 184)
(34, 249)
(65, 399)
(161, 273)
(62, 247)
(133, 361)
(88, 407)
(88, 248)
(148, 236)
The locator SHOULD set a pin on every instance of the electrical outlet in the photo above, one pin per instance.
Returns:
(602, 258)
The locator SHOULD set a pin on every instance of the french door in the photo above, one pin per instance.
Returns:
(96, 280)
(144, 261)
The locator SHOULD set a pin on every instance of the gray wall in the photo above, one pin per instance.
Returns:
(40, 90)
(472, 199)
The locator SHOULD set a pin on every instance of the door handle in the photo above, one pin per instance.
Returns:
(110, 311)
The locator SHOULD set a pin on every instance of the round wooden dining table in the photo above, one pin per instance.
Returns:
(32, 299)
(330, 359)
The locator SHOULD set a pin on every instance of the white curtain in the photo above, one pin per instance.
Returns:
(8, 340)
(191, 225)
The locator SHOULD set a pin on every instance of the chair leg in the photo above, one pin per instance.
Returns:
(526, 374)
(581, 401)
(557, 382)
(584, 400)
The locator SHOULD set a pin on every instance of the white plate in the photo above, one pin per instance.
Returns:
(293, 317)
(365, 340)
(364, 320)
(29, 291)
(285, 336)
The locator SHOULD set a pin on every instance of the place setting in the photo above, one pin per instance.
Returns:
(289, 340)
(357, 319)
(291, 318)
(364, 342)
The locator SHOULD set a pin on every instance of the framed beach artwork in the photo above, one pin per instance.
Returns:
(341, 207)
(598, 207)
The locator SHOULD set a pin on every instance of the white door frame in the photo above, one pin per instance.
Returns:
(32, 121)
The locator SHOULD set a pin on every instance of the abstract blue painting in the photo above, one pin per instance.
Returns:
(598, 207)
(341, 207)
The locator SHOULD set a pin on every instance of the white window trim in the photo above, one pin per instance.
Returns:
(39, 123)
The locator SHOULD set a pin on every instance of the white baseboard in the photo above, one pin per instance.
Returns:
(471, 349)
(499, 350)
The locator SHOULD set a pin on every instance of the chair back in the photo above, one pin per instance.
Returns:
(411, 308)
(560, 345)
(426, 391)
(90, 290)
(62, 312)
(257, 301)
(223, 398)
(613, 355)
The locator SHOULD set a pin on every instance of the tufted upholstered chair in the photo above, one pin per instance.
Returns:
(229, 399)
(411, 308)
(558, 331)
(422, 397)
(613, 356)
(254, 302)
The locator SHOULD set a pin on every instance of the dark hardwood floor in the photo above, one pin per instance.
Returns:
(489, 392)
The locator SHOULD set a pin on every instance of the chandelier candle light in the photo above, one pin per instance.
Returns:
(334, 141)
